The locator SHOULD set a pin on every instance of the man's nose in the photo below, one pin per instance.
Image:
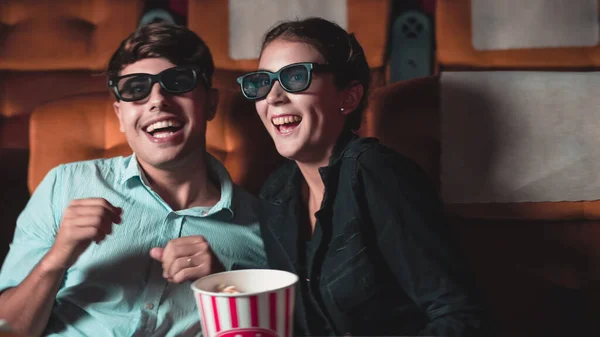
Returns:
(156, 97)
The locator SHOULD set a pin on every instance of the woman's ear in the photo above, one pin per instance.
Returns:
(352, 97)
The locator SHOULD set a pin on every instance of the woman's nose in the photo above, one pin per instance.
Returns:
(276, 95)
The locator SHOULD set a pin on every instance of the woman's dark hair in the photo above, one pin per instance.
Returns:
(339, 48)
(175, 43)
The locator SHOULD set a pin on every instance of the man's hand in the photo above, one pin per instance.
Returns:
(187, 259)
(84, 221)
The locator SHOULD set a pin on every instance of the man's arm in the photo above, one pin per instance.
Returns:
(27, 307)
(38, 259)
(415, 243)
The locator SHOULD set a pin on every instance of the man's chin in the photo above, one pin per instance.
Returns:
(163, 162)
(172, 158)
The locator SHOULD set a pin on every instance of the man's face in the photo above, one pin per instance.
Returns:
(165, 130)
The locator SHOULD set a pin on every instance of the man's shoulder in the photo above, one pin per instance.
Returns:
(90, 171)
(95, 164)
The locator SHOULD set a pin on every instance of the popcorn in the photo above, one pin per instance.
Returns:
(223, 288)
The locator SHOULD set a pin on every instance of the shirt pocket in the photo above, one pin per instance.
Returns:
(353, 283)
(348, 240)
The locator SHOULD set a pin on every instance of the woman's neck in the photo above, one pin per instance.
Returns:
(312, 177)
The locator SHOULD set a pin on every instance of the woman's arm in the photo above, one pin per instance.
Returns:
(415, 243)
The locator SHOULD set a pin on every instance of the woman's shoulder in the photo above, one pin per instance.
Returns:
(382, 168)
(368, 151)
(373, 156)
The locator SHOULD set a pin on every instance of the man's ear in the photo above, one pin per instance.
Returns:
(117, 107)
(212, 101)
(352, 97)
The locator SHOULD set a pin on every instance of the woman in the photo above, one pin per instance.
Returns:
(359, 223)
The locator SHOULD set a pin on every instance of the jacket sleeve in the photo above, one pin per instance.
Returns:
(414, 240)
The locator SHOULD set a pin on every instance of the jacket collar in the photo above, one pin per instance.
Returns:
(345, 138)
(285, 183)
(282, 193)
(225, 207)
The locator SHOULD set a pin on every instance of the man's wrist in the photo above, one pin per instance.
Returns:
(52, 264)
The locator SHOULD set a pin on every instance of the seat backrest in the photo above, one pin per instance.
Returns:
(85, 127)
(536, 274)
(533, 111)
(518, 125)
(479, 34)
(52, 49)
(64, 34)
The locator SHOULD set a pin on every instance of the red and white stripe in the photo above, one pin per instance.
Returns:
(271, 311)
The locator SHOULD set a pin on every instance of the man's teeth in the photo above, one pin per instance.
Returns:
(162, 124)
(286, 120)
(162, 134)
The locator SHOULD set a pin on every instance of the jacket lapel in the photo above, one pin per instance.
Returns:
(280, 220)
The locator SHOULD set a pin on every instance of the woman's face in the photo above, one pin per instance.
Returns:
(304, 125)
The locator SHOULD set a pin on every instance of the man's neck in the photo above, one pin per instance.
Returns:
(185, 186)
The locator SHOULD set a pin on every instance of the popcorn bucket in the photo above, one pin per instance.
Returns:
(264, 306)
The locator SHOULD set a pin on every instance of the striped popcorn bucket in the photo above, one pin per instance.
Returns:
(264, 306)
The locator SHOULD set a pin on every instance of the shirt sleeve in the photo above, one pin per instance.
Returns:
(34, 234)
(415, 243)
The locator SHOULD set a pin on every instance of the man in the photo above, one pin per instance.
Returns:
(108, 247)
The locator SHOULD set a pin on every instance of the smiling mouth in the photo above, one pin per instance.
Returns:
(164, 128)
(286, 124)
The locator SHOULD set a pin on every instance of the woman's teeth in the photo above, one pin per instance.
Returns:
(277, 121)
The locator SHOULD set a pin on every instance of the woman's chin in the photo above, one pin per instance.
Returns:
(287, 150)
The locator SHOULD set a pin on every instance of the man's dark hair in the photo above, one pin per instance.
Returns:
(175, 43)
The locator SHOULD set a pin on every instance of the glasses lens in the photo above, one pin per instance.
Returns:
(294, 78)
(178, 80)
(134, 88)
(256, 85)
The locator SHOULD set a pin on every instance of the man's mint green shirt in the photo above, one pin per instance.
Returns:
(115, 288)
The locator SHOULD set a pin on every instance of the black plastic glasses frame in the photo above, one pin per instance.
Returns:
(276, 76)
(156, 78)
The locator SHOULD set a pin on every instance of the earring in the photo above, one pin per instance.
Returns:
(342, 109)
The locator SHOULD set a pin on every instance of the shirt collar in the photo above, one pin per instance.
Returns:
(132, 170)
(345, 138)
(215, 168)
(225, 203)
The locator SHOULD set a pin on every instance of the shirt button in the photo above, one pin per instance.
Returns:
(149, 306)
